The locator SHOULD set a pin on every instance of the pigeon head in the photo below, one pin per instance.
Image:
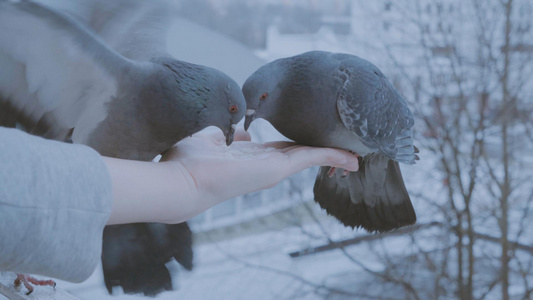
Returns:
(196, 97)
(225, 104)
(262, 91)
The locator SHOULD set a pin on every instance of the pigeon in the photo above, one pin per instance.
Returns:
(340, 100)
(127, 99)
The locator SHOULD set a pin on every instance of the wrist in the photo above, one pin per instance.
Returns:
(147, 192)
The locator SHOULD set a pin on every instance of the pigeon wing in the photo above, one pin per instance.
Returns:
(369, 106)
(55, 75)
(137, 30)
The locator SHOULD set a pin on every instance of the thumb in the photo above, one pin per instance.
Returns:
(242, 135)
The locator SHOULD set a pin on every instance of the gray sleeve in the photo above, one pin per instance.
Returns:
(55, 199)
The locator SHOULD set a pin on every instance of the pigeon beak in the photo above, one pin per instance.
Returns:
(230, 134)
(250, 114)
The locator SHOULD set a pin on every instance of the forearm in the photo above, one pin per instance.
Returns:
(202, 172)
(153, 192)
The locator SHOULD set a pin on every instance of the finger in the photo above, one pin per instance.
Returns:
(340, 159)
(242, 135)
(210, 132)
(216, 134)
(305, 157)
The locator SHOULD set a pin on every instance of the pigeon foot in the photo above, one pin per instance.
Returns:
(332, 170)
(27, 279)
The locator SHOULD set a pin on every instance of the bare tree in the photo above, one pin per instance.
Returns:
(472, 68)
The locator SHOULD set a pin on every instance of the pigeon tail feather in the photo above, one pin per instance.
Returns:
(374, 198)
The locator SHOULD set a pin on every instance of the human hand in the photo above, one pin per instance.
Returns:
(221, 172)
(201, 171)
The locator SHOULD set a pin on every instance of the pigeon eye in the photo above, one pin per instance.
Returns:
(233, 109)
(264, 96)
